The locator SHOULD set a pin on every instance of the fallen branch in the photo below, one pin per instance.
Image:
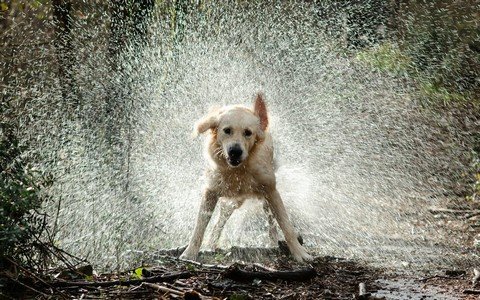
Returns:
(471, 292)
(161, 288)
(162, 278)
(235, 273)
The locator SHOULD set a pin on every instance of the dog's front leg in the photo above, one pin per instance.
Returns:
(279, 212)
(227, 207)
(209, 200)
(272, 227)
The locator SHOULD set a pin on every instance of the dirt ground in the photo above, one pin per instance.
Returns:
(281, 278)
(260, 273)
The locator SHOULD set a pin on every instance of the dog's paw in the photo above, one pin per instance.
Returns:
(302, 256)
(189, 255)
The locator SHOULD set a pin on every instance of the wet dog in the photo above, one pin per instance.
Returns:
(240, 152)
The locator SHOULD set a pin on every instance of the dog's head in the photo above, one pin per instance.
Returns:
(236, 130)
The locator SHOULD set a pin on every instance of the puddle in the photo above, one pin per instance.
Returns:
(409, 288)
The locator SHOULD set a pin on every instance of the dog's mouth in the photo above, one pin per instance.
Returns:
(234, 162)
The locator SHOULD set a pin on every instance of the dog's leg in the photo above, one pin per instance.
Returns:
(278, 209)
(227, 207)
(209, 201)
(272, 227)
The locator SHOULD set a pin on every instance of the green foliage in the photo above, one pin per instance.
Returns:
(442, 40)
(437, 45)
(138, 273)
(20, 199)
(385, 57)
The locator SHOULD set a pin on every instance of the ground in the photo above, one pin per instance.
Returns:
(324, 278)
(253, 273)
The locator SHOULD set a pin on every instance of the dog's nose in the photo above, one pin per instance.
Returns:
(235, 152)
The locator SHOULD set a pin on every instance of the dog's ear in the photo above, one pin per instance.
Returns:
(210, 121)
(260, 110)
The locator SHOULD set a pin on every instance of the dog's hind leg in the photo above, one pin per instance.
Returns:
(210, 199)
(227, 207)
(278, 210)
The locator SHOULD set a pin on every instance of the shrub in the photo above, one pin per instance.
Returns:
(21, 224)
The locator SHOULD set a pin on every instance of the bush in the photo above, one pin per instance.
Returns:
(20, 184)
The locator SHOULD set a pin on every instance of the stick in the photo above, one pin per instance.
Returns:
(170, 277)
(436, 210)
(191, 294)
(162, 288)
(472, 214)
(476, 277)
(235, 273)
(34, 276)
(202, 265)
(29, 287)
(362, 289)
(471, 292)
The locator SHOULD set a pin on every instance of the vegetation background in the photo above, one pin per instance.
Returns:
(432, 45)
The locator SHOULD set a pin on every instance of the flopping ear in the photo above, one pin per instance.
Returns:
(210, 121)
(260, 110)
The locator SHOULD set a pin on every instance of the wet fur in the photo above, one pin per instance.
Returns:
(254, 177)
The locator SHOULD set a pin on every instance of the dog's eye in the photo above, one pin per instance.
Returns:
(227, 130)
(247, 132)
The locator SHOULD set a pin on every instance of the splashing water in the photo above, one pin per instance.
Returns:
(357, 157)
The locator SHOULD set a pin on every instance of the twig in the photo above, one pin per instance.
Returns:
(476, 277)
(36, 277)
(190, 294)
(57, 254)
(170, 277)
(436, 210)
(472, 214)
(235, 273)
(57, 214)
(471, 292)
(28, 287)
(362, 291)
(4, 296)
(265, 268)
(287, 296)
(441, 277)
(163, 288)
(208, 266)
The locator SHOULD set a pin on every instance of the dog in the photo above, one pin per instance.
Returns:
(240, 153)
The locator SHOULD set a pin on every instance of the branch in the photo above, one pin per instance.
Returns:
(163, 278)
(235, 273)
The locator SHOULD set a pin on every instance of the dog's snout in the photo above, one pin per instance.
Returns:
(235, 152)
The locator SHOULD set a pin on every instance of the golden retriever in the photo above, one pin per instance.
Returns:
(240, 152)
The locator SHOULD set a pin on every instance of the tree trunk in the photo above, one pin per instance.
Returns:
(128, 30)
(62, 10)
